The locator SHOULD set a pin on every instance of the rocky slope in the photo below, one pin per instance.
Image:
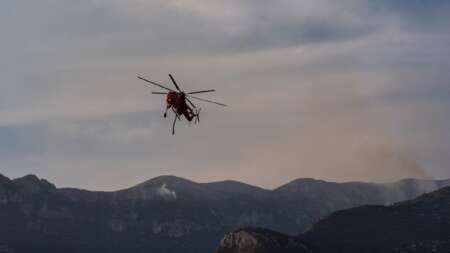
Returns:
(419, 225)
(170, 214)
(257, 240)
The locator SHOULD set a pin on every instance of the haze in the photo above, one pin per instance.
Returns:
(336, 90)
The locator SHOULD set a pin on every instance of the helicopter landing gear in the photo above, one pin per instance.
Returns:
(165, 112)
(173, 125)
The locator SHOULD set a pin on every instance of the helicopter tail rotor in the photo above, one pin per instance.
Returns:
(197, 115)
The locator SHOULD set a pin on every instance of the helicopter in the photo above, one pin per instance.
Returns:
(180, 101)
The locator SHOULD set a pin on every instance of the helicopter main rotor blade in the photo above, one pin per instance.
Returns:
(160, 93)
(190, 102)
(206, 100)
(174, 82)
(200, 91)
(157, 84)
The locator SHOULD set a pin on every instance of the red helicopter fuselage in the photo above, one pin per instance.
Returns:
(177, 101)
(174, 99)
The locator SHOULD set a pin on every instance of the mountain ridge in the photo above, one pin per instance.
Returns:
(170, 214)
(300, 180)
(418, 225)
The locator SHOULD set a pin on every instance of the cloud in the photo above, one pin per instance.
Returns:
(348, 90)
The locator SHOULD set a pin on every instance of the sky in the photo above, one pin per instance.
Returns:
(351, 90)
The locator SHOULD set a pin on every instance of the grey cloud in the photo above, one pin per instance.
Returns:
(413, 7)
(24, 140)
(420, 15)
(336, 90)
(102, 27)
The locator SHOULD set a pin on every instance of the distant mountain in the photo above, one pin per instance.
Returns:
(419, 225)
(307, 200)
(171, 214)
